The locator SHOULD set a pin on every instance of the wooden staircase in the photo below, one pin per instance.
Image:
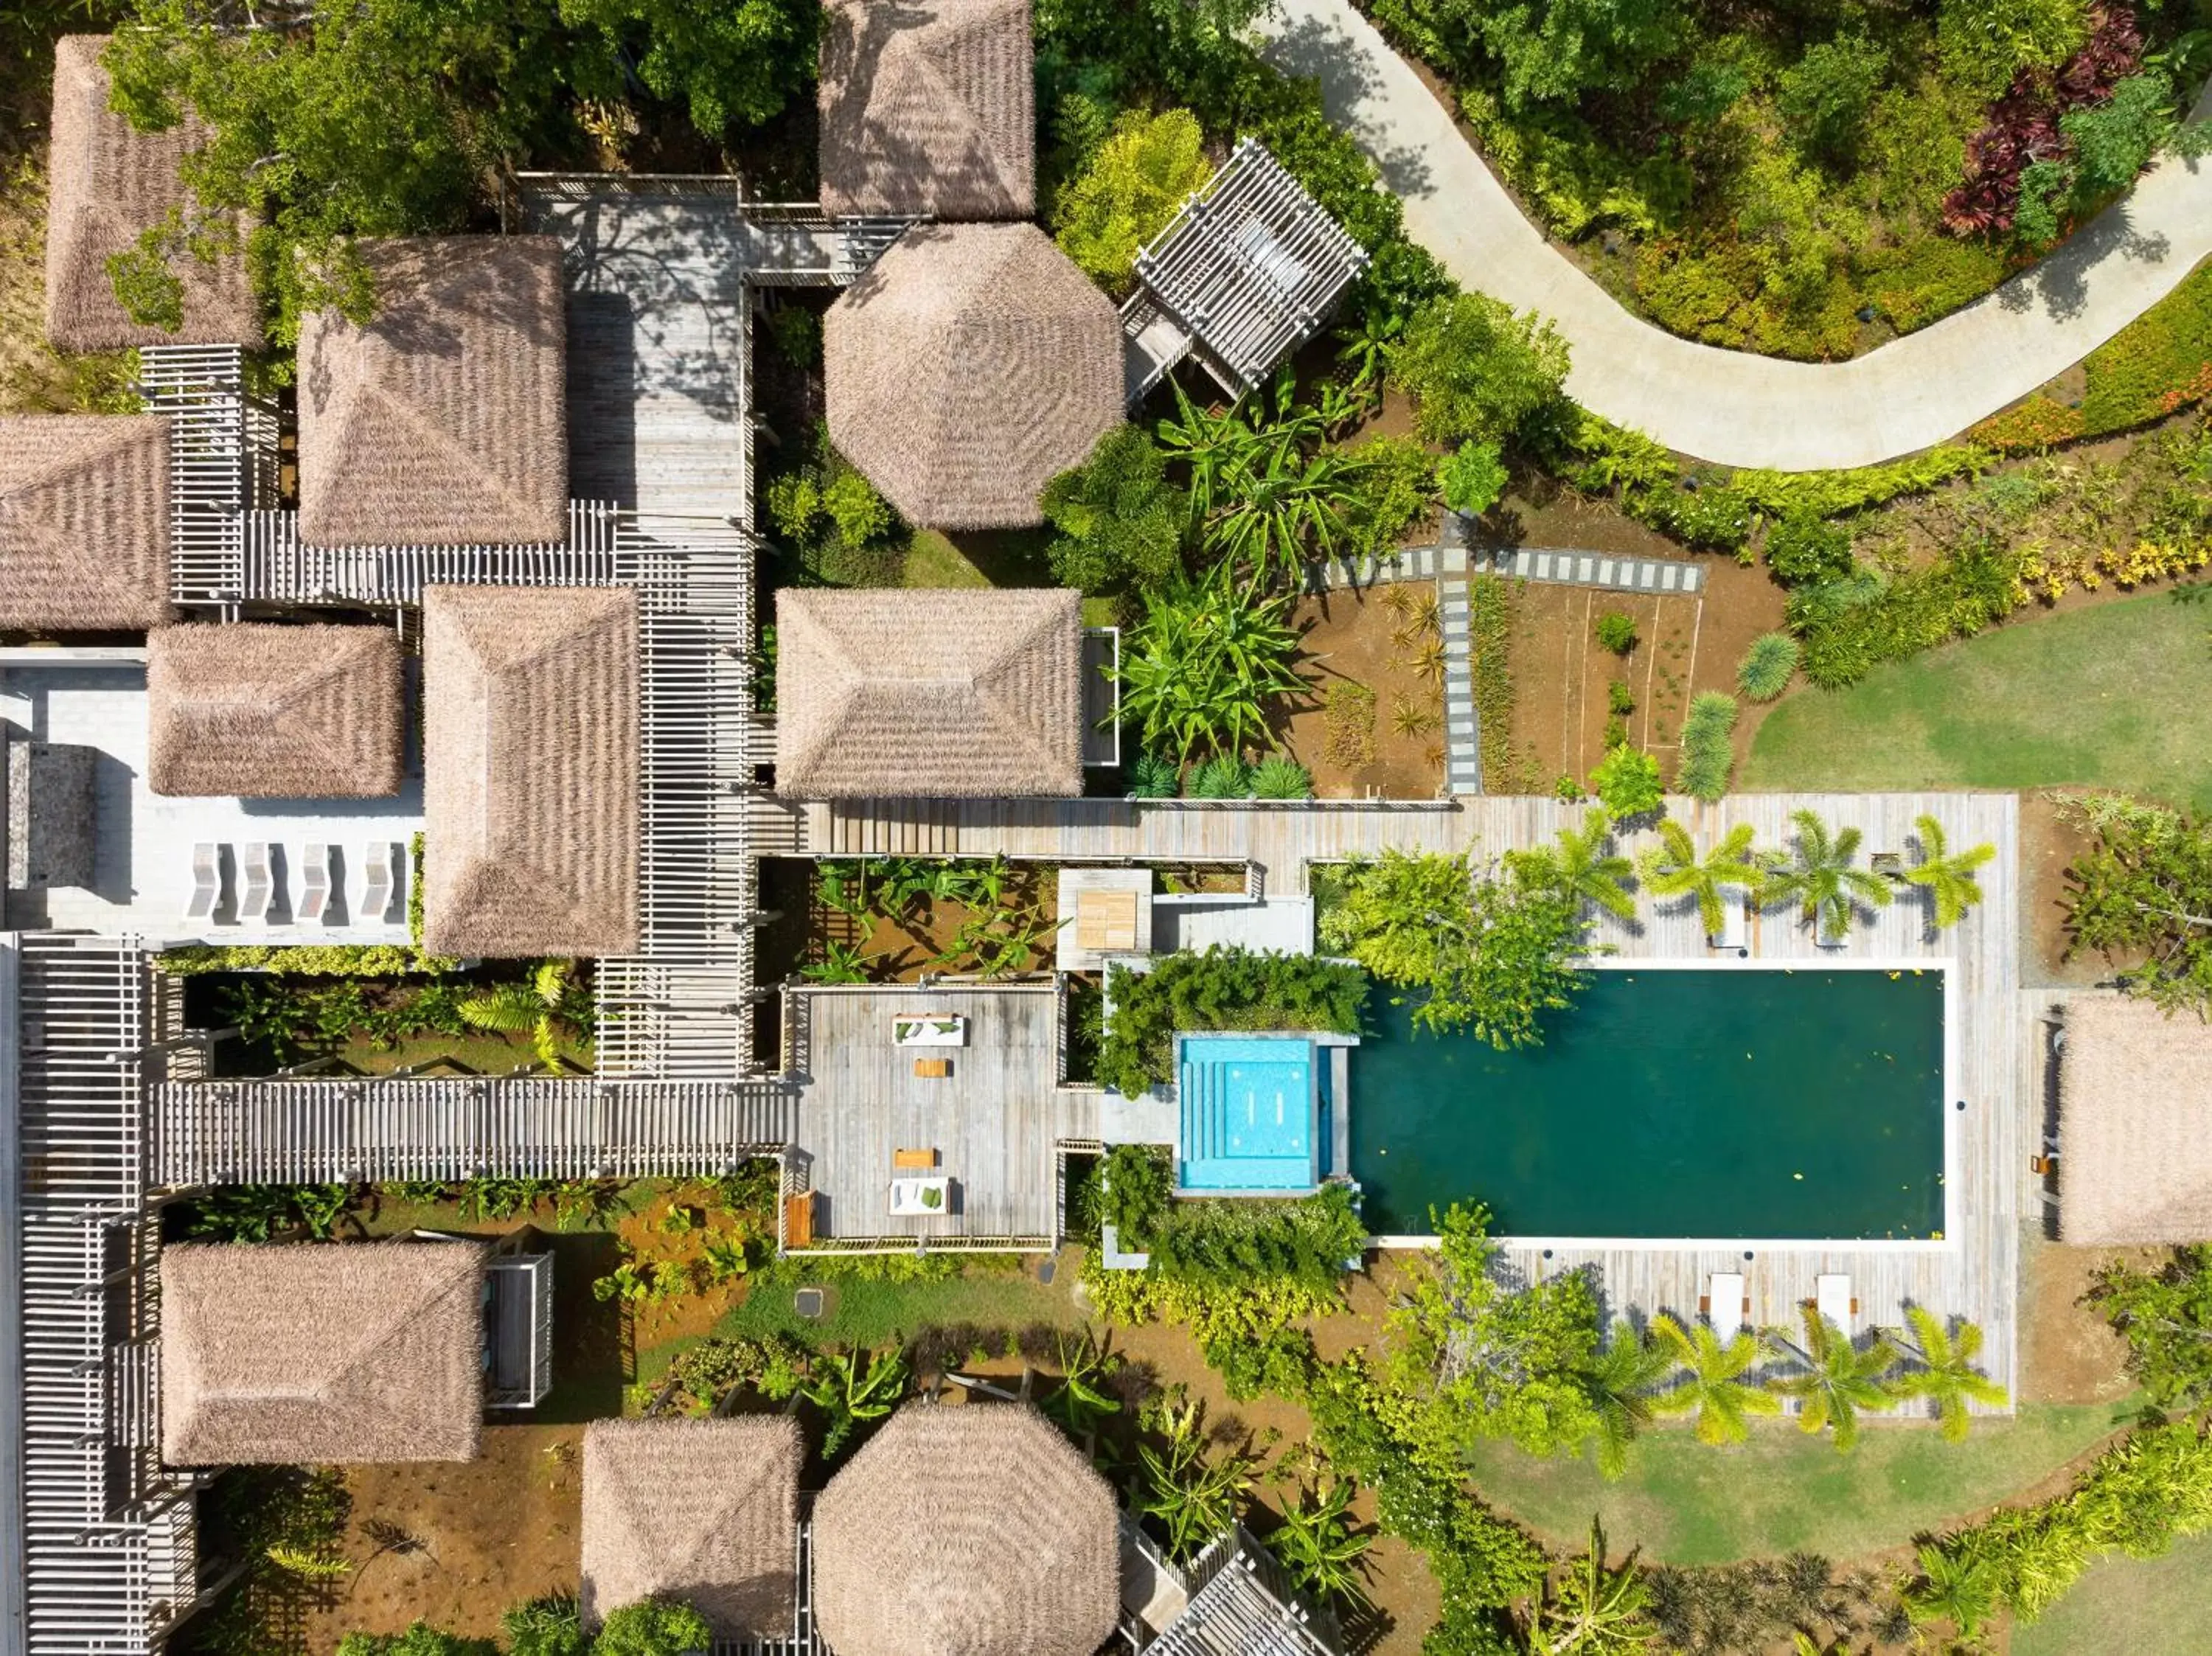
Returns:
(894, 827)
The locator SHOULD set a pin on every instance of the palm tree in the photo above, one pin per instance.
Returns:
(1583, 866)
(1713, 1383)
(1958, 1587)
(549, 1006)
(1620, 1382)
(1822, 881)
(1949, 880)
(1671, 869)
(1839, 1379)
(1595, 1611)
(1946, 1375)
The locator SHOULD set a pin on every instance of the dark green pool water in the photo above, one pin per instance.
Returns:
(1753, 1104)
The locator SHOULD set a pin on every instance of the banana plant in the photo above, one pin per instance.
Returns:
(550, 1005)
(1080, 1404)
(1322, 1548)
(851, 1390)
(841, 962)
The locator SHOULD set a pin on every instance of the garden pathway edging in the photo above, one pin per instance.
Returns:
(1463, 724)
(1730, 407)
(1563, 566)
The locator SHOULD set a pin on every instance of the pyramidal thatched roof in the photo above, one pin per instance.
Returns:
(84, 521)
(530, 761)
(107, 184)
(2135, 1123)
(704, 1511)
(968, 1531)
(929, 693)
(263, 711)
(968, 367)
(323, 1353)
(927, 109)
(442, 421)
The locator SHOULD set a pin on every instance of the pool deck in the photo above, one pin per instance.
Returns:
(1974, 1273)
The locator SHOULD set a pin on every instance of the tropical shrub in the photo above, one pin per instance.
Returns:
(1280, 777)
(1205, 664)
(1135, 183)
(1477, 372)
(1708, 753)
(1393, 484)
(832, 521)
(2132, 893)
(1767, 667)
(1803, 549)
(1321, 1547)
(1850, 627)
(1192, 1491)
(1220, 989)
(1984, 44)
(1620, 698)
(774, 1364)
(1473, 477)
(1615, 632)
(1225, 776)
(1826, 94)
(255, 1213)
(549, 1625)
(2166, 1317)
(1489, 608)
(1245, 1241)
(1626, 781)
(1129, 1189)
(653, 1627)
(1121, 521)
(1152, 776)
(421, 1638)
(380, 960)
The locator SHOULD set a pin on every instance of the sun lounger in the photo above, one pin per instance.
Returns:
(914, 1161)
(1735, 935)
(256, 882)
(1726, 1306)
(376, 882)
(1832, 1298)
(207, 882)
(314, 883)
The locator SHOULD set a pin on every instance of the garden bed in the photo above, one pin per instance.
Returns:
(1374, 721)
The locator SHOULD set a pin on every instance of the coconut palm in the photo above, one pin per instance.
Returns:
(1713, 1384)
(1945, 1374)
(1949, 880)
(1672, 869)
(1822, 882)
(1595, 1611)
(1840, 1379)
(1585, 865)
(1619, 1383)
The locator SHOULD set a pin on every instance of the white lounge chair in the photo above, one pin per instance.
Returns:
(1735, 935)
(314, 883)
(207, 882)
(256, 884)
(376, 882)
(1832, 1298)
(1727, 1307)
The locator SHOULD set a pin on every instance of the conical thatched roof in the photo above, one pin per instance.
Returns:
(2135, 1123)
(263, 712)
(972, 365)
(927, 109)
(84, 521)
(704, 1511)
(924, 693)
(968, 1531)
(443, 421)
(530, 761)
(107, 184)
(323, 1353)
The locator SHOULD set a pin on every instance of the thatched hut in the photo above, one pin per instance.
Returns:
(107, 184)
(262, 712)
(971, 365)
(443, 419)
(84, 522)
(704, 1511)
(972, 694)
(975, 1531)
(530, 763)
(927, 110)
(2135, 1123)
(322, 1353)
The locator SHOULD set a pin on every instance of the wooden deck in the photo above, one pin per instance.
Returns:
(995, 1122)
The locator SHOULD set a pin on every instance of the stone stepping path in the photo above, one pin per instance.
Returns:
(1662, 576)
(1462, 730)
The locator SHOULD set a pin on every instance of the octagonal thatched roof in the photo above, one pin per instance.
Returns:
(107, 184)
(321, 1353)
(84, 521)
(256, 711)
(2135, 1104)
(972, 365)
(443, 421)
(968, 1531)
(928, 109)
(704, 1511)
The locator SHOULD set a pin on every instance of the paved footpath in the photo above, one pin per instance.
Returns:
(1730, 407)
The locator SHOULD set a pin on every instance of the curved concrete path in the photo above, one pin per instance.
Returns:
(1730, 407)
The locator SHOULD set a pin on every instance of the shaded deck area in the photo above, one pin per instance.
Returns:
(994, 1122)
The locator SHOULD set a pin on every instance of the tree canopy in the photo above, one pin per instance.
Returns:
(1477, 371)
(1128, 193)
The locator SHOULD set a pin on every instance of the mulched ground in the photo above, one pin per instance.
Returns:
(1348, 636)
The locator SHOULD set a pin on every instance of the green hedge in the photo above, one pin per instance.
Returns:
(1490, 605)
(2159, 364)
(380, 960)
(1220, 989)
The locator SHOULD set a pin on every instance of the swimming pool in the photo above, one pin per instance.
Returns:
(1725, 1104)
(1249, 1113)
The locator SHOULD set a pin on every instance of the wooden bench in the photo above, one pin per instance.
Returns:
(914, 1161)
(932, 1069)
(798, 1219)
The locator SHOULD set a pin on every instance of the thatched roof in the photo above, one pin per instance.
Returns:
(84, 521)
(704, 1511)
(321, 1353)
(968, 367)
(444, 420)
(530, 761)
(968, 1531)
(975, 693)
(107, 183)
(927, 109)
(2135, 1123)
(263, 712)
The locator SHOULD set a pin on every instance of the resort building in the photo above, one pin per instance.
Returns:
(2135, 1091)
(84, 522)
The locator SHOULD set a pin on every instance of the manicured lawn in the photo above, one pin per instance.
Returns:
(2144, 1606)
(1685, 1503)
(2103, 696)
(1007, 558)
(870, 1311)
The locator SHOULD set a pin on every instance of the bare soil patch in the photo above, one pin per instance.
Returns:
(2069, 1352)
(2047, 844)
(1357, 639)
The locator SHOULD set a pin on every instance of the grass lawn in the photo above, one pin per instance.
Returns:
(872, 1312)
(1005, 558)
(2144, 1606)
(1685, 1503)
(2096, 696)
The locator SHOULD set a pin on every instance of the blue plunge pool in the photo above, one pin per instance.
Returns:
(1250, 1113)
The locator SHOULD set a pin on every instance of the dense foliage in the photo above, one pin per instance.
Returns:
(1128, 192)
(1121, 521)
(1220, 989)
(2166, 1316)
(420, 1639)
(1205, 665)
(653, 1627)
(1248, 1242)
(2140, 890)
(832, 524)
(1476, 370)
